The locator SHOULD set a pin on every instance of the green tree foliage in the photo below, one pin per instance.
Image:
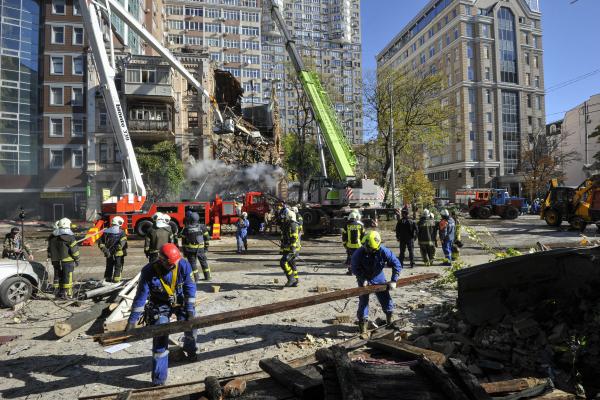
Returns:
(162, 170)
(300, 161)
(596, 165)
(417, 190)
(421, 121)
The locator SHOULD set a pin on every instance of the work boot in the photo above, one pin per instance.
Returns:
(349, 271)
(197, 276)
(207, 276)
(291, 281)
(388, 318)
(363, 327)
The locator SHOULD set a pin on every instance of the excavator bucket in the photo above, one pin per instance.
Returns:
(94, 233)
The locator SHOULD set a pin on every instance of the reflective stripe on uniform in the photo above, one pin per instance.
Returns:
(191, 300)
(138, 309)
(157, 356)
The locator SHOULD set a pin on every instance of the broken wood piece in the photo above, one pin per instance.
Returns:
(212, 388)
(301, 385)
(104, 290)
(247, 313)
(470, 384)
(440, 379)
(234, 388)
(556, 395)
(79, 319)
(347, 381)
(513, 385)
(406, 350)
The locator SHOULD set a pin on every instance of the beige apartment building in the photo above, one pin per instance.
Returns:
(490, 54)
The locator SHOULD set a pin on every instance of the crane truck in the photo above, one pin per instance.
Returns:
(329, 202)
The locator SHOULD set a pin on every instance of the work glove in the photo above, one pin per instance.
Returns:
(130, 326)
(391, 285)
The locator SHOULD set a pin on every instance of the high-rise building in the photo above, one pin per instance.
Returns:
(19, 109)
(328, 37)
(490, 54)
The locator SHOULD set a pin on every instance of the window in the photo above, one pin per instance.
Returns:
(536, 42)
(76, 96)
(56, 159)
(528, 101)
(102, 119)
(538, 102)
(58, 35)
(78, 36)
(490, 154)
(471, 96)
(141, 76)
(528, 79)
(470, 74)
(490, 136)
(507, 48)
(535, 61)
(103, 153)
(485, 30)
(76, 158)
(470, 30)
(489, 117)
(473, 154)
(193, 119)
(527, 58)
(78, 65)
(469, 51)
(56, 96)
(472, 117)
(250, 30)
(537, 81)
(472, 136)
(486, 52)
(77, 126)
(56, 127)
(56, 65)
(58, 7)
(487, 73)
(76, 10)
(488, 96)
(510, 131)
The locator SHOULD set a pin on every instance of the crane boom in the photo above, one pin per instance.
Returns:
(320, 103)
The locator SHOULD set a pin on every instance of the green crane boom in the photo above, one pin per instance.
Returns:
(321, 105)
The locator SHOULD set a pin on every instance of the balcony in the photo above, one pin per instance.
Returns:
(151, 122)
(159, 91)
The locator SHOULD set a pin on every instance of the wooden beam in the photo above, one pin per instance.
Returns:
(440, 379)
(76, 321)
(513, 385)
(110, 338)
(346, 378)
(469, 382)
(406, 350)
(301, 385)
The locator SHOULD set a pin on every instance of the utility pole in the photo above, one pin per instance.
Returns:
(392, 145)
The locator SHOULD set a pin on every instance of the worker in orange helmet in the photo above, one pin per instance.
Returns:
(169, 287)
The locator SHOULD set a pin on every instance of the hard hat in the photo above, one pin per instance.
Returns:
(295, 209)
(425, 213)
(169, 256)
(195, 217)
(166, 218)
(291, 216)
(156, 216)
(64, 223)
(162, 220)
(118, 221)
(353, 215)
(372, 241)
(245, 214)
(445, 213)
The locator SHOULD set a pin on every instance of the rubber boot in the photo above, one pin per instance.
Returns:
(197, 276)
(363, 327)
(207, 275)
(388, 318)
(291, 281)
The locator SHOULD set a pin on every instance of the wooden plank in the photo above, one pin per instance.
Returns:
(301, 385)
(110, 338)
(348, 384)
(440, 379)
(513, 385)
(470, 384)
(76, 321)
(406, 350)
(234, 388)
(556, 395)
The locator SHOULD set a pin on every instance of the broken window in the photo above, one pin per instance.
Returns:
(193, 119)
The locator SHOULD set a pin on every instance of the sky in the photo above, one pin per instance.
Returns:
(571, 41)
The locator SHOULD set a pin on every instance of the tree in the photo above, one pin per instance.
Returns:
(162, 170)
(300, 162)
(420, 120)
(417, 190)
(544, 160)
(596, 165)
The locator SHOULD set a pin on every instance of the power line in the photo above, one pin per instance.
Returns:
(571, 81)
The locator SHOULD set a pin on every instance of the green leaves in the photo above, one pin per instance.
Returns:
(162, 169)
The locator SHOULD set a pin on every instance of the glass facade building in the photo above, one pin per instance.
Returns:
(510, 131)
(19, 51)
(508, 46)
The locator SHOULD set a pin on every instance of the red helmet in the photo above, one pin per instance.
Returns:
(169, 255)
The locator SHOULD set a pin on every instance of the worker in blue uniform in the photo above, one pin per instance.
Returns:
(368, 263)
(241, 234)
(168, 286)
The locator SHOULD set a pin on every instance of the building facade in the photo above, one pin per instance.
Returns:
(20, 124)
(490, 54)
(575, 128)
(328, 37)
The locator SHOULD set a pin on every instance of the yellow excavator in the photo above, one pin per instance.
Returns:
(579, 206)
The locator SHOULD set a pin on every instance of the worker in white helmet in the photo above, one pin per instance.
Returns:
(158, 235)
(63, 251)
(113, 244)
(299, 221)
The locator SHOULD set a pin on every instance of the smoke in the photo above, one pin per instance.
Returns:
(207, 178)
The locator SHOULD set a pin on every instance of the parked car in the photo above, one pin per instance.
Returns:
(19, 280)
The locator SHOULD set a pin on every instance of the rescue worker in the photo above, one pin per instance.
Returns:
(158, 235)
(426, 235)
(352, 235)
(290, 246)
(168, 286)
(113, 244)
(447, 230)
(299, 221)
(63, 251)
(457, 244)
(241, 234)
(194, 241)
(368, 263)
(15, 247)
(406, 233)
